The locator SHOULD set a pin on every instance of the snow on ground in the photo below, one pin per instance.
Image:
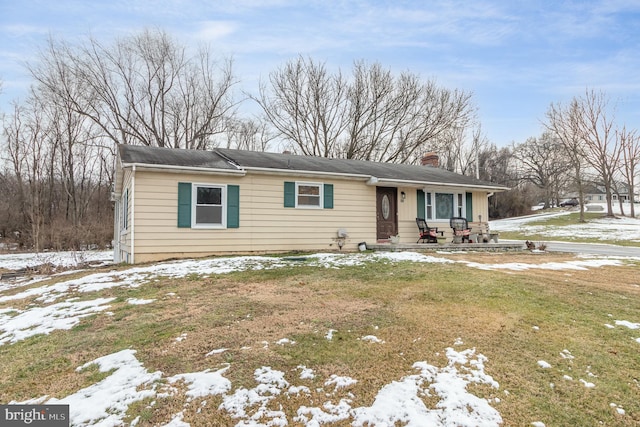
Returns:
(628, 324)
(565, 265)
(17, 261)
(135, 276)
(619, 228)
(16, 325)
(106, 402)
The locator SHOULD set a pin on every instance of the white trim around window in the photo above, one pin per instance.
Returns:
(208, 206)
(309, 195)
(443, 205)
(124, 211)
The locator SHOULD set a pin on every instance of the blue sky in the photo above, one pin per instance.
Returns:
(515, 56)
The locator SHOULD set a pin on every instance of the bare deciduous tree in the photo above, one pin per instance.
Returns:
(498, 165)
(29, 154)
(564, 122)
(305, 103)
(375, 117)
(602, 148)
(630, 148)
(543, 163)
(252, 135)
(57, 172)
(142, 90)
(459, 148)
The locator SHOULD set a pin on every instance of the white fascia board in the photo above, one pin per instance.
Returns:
(296, 172)
(421, 184)
(182, 169)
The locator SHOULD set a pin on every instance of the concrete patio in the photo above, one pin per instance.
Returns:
(449, 246)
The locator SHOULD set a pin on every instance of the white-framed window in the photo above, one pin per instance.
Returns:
(209, 202)
(124, 212)
(444, 206)
(309, 195)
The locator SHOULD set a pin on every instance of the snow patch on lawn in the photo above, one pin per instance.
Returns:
(566, 265)
(57, 259)
(628, 324)
(106, 402)
(44, 320)
(619, 228)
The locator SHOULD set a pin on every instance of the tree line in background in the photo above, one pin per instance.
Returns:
(58, 144)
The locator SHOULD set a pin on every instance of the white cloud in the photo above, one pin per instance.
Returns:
(215, 30)
(22, 30)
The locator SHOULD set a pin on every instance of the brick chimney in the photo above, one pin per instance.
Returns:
(430, 159)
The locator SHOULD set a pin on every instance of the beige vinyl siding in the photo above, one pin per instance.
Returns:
(480, 206)
(265, 224)
(407, 212)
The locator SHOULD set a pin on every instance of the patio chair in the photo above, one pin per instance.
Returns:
(461, 230)
(427, 234)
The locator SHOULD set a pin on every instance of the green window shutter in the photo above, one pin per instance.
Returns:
(233, 206)
(420, 195)
(469, 204)
(328, 196)
(289, 194)
(184, 205)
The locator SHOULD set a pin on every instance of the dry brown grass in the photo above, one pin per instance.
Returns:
(417, 309)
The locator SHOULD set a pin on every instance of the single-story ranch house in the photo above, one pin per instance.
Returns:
(172, 203)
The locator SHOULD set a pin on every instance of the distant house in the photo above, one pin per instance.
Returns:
(595, 193)
(184, 203)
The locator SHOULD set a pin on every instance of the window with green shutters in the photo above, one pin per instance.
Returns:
(208, 205)
(124, 213)
(308, 195)
(434, 205)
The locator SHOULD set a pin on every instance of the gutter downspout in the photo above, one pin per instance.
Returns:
(132, 205)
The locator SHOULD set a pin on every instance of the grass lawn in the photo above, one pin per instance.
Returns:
(545, 229)
(514, 318)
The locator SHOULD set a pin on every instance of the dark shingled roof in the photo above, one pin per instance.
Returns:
(174, 157)
(228, 159)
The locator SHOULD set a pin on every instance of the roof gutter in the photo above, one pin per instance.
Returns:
(174, 168)
(371, 180)
(305, 173)
(441, 184)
